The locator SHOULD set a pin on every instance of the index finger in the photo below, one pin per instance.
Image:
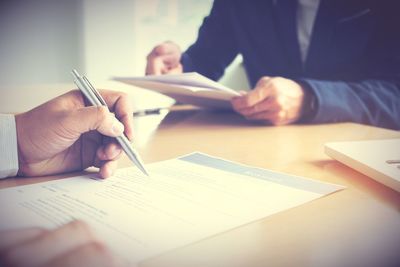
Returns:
(120, 104)
(155, 66)
(165, 48)
(161, 50)
(171, 59)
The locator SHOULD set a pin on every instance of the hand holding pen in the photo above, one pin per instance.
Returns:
(63, 135)
(93, 96)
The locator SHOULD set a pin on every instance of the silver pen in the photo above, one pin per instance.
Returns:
(94, 97)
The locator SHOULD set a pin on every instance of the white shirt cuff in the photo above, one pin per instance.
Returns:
(8, 146)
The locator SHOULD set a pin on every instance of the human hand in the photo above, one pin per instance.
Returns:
(63, 135)
(164, 59)
(68, 246)
(275, 100)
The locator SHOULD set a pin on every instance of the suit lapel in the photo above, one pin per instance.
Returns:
(286, 14)
(321, 38)
(330, 13)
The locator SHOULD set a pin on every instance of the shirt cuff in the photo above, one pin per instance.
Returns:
(310, 103)
(8, 146)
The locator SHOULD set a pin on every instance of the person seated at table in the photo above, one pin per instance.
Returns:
(309, 61)
(61, 136)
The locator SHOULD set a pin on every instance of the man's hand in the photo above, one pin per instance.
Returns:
(70, 245)
(63, 135)
(164, 59)
(275, 100)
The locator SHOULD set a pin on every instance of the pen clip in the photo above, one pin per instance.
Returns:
(95, 92)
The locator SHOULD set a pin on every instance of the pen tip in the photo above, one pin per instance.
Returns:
(144, 170)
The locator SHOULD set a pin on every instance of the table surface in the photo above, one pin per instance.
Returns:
(358, 226)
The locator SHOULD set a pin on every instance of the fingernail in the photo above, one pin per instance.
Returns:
(116, 152)
(117, 128)
(102, 155)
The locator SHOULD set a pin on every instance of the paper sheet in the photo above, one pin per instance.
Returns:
(188, 88)
(184, 200)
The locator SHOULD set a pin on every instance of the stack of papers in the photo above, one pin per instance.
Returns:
(378, 159)
(187, 88)
(184, 200)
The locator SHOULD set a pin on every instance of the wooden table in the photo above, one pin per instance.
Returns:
(358, 226)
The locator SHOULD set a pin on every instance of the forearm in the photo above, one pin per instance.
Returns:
(374, 102)
(8, 146)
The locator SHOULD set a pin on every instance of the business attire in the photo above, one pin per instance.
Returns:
(8, 146)
(348, 59)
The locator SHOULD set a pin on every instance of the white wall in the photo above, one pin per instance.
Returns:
(109, 38)
(40, 40)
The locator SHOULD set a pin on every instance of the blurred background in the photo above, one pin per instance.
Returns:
(42, 40)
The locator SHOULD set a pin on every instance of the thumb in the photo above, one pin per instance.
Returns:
(94, 118)
(172, 60)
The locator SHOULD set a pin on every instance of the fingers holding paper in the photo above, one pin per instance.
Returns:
(164, 59)
(274, 100)
(73, 244)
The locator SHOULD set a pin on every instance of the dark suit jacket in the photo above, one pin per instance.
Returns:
(353, 63)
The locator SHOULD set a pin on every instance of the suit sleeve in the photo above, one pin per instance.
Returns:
(375, 102)
(374, 98)
(215, 47)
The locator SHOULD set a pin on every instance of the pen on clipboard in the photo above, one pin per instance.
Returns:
(146, 112)
(94, 97)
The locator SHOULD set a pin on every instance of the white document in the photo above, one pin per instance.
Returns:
(184, 200)
(378, 159)
(188, 88)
